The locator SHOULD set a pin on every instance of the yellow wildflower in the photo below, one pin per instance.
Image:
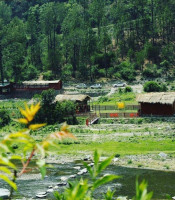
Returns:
(36, 126)
(29, 113)
(121, 105)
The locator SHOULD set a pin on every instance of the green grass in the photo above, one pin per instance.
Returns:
(128, 98)
(122, 148)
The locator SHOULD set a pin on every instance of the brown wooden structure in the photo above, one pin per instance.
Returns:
(6, 88)
(38, 85)
(80, 100)
(157, 104)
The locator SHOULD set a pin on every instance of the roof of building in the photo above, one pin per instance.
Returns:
(72, 97)
(5, 84)
(40, 82)
(157, 97)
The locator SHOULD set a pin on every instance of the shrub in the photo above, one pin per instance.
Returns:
(103, 99)
(67, 72)
(163, 88)
(152, 71)
(48, 75)
(129, 162)
(4, 118)
(152, 86)
(128, 89)
(30, 72)
(120, 91)
(47, 97)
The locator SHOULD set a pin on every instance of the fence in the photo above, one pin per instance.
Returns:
(119, 115)
(114, 107)
(110, 115)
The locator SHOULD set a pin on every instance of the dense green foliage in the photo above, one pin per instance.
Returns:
(4, 118)
(52, 112)
(86, 39)
(152, 86)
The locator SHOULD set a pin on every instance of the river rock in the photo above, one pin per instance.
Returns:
(64, 178)
(62, 183)
(173, 197)
(55, 187)
(78, 167)
(50, 186)
(73, 176)
(88, 157)
(163, 155)
(91, 164)
(122, 198)
(116, 159)
(83, 171)
(41, 195)
(50, 190)
(4, 193)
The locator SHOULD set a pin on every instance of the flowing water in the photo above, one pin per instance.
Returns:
(162, 183)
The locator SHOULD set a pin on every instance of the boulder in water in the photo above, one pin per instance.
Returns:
(88, 157)
(78, 167)
(62, 183)
(41, 195)
(115, 159)
(4, 193)
(50, 190)
(64, 178)
(83, 171)
(73, 176)
(91, 164)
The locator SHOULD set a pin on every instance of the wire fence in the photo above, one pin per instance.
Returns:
(113, 107)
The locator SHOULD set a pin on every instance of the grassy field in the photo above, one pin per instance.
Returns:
(122, 136)
(119, 136)
(128, 98)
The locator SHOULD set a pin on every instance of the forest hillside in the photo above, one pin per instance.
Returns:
(86, 39)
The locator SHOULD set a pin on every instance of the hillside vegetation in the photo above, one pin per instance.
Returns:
(86, 39)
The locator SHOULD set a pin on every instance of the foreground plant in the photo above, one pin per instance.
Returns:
(141, 191)
(79, 190)
(29, 146)
(82, 189)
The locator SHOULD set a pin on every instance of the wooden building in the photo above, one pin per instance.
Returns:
(80, 100)
(157, 104)
(6, 88)
(38, 85)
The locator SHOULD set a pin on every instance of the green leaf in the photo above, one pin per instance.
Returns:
(141, 191)
(96, 158)
(109, 195)
(58, 196)
(42, 166)
(104, 164)
(5, 161)
(88, 168)
(41, 149)
(15, 157)
(5, 170)
(77, 191)
(41, 163)
(43, 171)
(104, 180)
(5, 147)
(7, 180)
